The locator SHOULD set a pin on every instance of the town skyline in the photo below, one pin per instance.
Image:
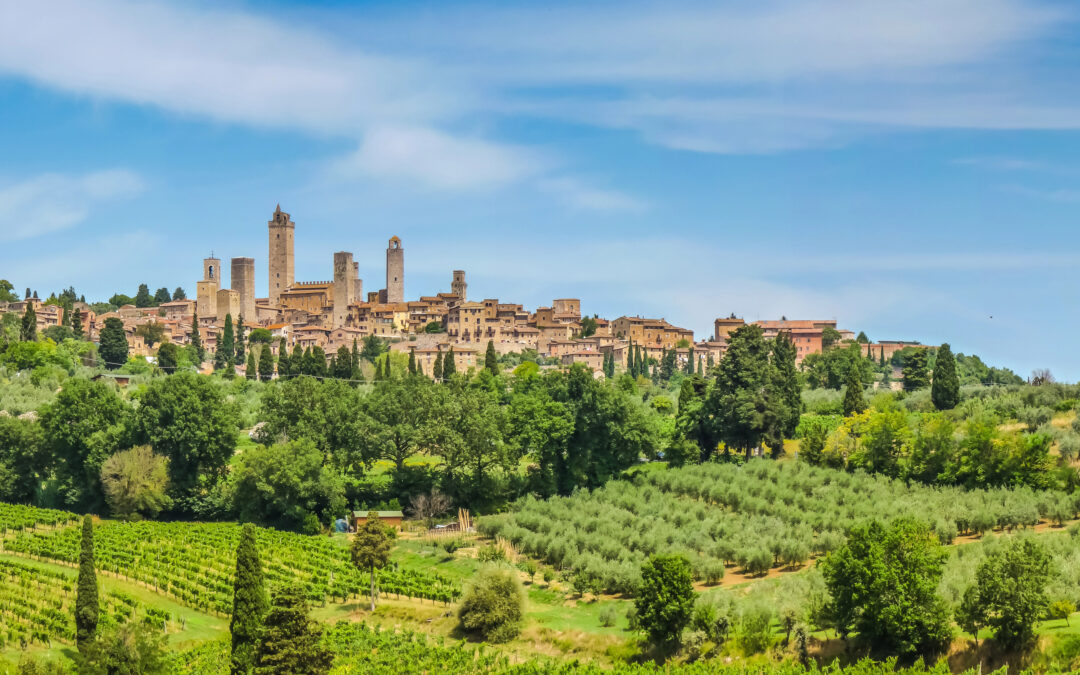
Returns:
(774, 161)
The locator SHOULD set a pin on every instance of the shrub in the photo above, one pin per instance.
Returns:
(549, 575)
(491, 553)
(492, 604)
(608, 616)
(754, 631)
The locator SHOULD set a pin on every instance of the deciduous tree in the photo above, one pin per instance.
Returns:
(371, 549)
(136, 482)
(665, 602)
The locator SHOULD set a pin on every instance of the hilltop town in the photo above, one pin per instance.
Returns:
(337, 313)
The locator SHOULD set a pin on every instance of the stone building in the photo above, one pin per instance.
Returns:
(206, 290)
(282, 270)
(458, 286)
(395, 271)
(344, 286)
(243, 282)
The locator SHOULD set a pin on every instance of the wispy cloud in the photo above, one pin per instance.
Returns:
(52, 202)
(579, 195)
(1002, 163)
(1063, 195)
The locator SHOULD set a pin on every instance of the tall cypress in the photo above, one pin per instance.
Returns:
(87, 607)
(412, 361)
(689, 370)
(251, 368)
(28, 331)
(436, 370)
(945, 387)
(76, 324)
(491, 359)
(266, 364)
(882, 362)
(449, 366)
(196, 341)
(249, 602)
(283, 363)
(854, 402)
(355, 356)
(386, 367)
(240, 347)
(228, 342)
(113, 344)
(631, 367)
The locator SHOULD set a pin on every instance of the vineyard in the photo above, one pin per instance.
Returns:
(195, 562)
(15, 517)
(37, 606)
(757, 516)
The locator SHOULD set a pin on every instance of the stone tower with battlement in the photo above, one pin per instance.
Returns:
(344, 286)
(358, 284)
(282, 229)
(458, 286)
(395, 271)
(207, 289)
(243, 282)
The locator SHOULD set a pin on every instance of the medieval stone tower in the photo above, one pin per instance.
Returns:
(344, 286)
(282, 229)
(395, 271)
(243, 282)
(206, 290)
(458, 285)
(358, 284)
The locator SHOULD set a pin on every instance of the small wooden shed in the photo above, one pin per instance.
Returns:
(392, 518)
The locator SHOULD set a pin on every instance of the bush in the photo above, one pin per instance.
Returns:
(754, 631)
(492, 605)
(608, 616)
(490, 554)
(549, 575)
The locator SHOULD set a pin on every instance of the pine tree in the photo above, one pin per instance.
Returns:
(241, 349)
(251, 368)
(143, 297)
(436, 370)
(283, 365)
(179, 294)
(196, 341)
(87, 605)
(290, 642)
(266, 363)
(916, 370)
(449, 366)
(28, 331)
(113, 344)
(491, 359)
(228, 343)
(854, 402)
(945, 389)
(412, 362)
(76, 324)
(371, 549)
(249, 602)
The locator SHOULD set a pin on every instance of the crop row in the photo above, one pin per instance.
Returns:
(196, 562)
(15, 517)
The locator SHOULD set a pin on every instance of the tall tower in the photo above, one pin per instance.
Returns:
(243, 282)
(281, 254)
(358, 284)
(206, 290)
(458, 285)
(343, 286)
(395, 271)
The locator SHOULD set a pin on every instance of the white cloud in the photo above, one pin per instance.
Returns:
(52, 202)
(580, 196)
(1002, 163)
(438, 159)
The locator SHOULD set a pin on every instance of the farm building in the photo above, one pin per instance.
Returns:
(392, 518)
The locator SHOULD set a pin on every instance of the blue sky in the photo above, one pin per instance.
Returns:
(908, 168)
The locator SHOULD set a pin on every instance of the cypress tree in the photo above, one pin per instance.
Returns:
(631, 367)
(491, 359)
(241, 349)
(436, 370)
(228, 342)
(341, 365)
(689, 370)
(283, 365)
(251, 369)
(318, 361)
(290, 642)
(196, 341)
(916, 370)
(113, 344)
(249, 602)
(700, 372)
(449, 366)
(266, 364)
(386, 367)
(76, 324)
(412, 361)
(28, 331)
(945, 389)
(355, 355)
(221, 362)
(854, 402)
(882, 362)
(87, 608)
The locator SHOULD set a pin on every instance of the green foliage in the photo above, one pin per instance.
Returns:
(916, 370)
(290, 641)
(883, 584)
(129, 648)
(28, 331)
(370, 550)
(136, 482)
(281, 485)
(854, 401)
(168, 356)
(493, 604)
(945, 390)
(24, 459)
(249, 603)
(266, 364)
(1010, 586)
(113, 344)
(143, 297)
(87, 606)
(665, 602)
